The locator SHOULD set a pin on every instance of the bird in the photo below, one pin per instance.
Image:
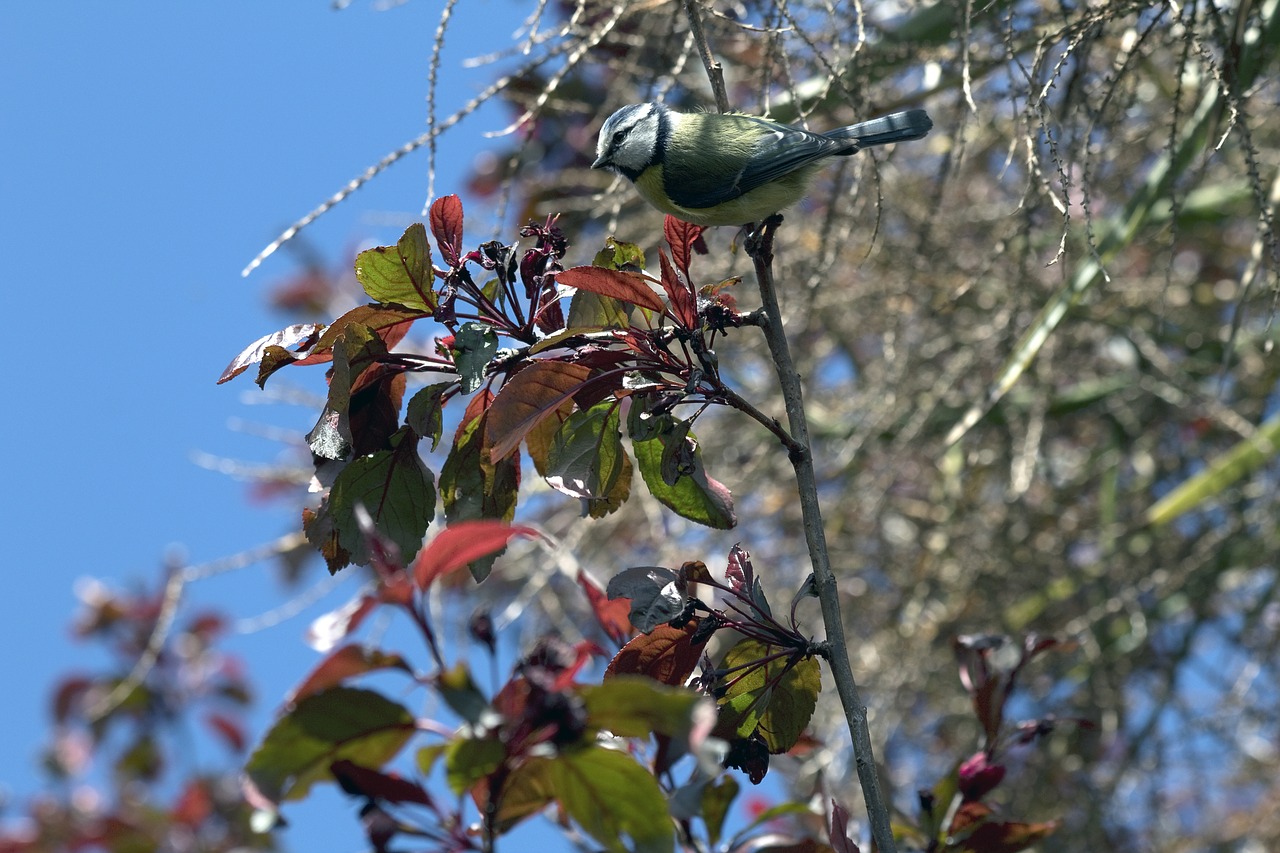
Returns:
(727, 168)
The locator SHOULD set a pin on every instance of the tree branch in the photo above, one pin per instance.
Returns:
(715, 71)
(760, 247)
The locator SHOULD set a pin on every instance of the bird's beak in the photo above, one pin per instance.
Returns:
(602, 162)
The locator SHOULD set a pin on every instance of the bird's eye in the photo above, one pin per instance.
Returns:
(619, 136)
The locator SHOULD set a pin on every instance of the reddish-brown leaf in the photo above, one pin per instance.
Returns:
(666, 654)
(68, 695)
(461, 543)
(534, 393)
(362, 781)
(389, 322)
(627, 286)
(683, 238)
(302, 333)
(977, 832)
(684, 306)
(839, 830)
(446, 226)
(194, 805)
(228, 729)
(346, 662)
(612, 615)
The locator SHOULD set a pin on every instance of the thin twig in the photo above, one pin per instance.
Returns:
(745, 406)
(715, 71)
(760, 248)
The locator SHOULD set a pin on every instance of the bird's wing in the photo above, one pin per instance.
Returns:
(736, 159)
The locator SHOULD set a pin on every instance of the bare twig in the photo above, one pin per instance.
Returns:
(715, 72)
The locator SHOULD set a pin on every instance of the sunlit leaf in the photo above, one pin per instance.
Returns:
(463, 543)
(655, 593)
(628, 286)
(400, 274)
(586, 456)
(666, 654)
(612, 615)
(446, 227)
(536, 392)
(286, 338)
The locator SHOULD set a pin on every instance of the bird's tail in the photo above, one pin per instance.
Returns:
(899, 127)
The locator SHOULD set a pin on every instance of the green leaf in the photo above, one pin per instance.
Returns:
(468, 760)
(618, 495)
(394, 486)
(611, 796)
(527, 791)
(1247, 456)
(424, 414)
(775, 698)
(342, 722)
(473, 348)
(586, 456)
(461, 694)
(716, 799)
(618, 255)
(472, 488)
(636, 706)
(695, 496)
(390, 322)
(402, 273)
(593, 312)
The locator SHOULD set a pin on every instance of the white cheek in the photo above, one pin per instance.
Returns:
(638, 150)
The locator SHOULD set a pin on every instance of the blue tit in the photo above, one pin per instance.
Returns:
(716, 169)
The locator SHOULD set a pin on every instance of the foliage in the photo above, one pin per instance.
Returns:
(1038, 362)
(133, 723)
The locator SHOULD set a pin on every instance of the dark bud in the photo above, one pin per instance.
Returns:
(750, 755)
(481, 630)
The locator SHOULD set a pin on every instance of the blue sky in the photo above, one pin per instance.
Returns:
(149, 151)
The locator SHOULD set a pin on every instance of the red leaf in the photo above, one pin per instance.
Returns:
(68, 695)
(458, 545)
(194, 805)
(446, 225)
(683, 303)
(612, 615)
(361, 781)
(976, 830)
(535, 393)
(666, 654)
(229, 729)
(302, 333)
(684, 238)
(839, 832)
(389, 322)
(346, 662)
(627, 286)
